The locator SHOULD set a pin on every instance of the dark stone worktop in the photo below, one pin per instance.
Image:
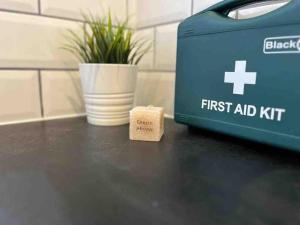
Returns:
(68, 172)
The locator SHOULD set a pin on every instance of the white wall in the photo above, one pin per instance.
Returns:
(40, 81)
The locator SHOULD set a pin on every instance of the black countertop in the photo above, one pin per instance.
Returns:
(68, 172)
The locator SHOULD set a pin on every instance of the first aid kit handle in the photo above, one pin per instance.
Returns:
(226, 6)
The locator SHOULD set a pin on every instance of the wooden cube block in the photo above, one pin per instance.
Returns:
(146, 123)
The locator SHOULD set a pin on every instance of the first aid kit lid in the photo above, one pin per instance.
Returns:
(215, 19)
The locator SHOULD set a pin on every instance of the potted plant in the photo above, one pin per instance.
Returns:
(109, 55)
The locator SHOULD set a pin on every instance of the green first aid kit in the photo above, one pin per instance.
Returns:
(241, 77)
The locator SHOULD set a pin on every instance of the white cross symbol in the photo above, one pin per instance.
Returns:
(240, 77)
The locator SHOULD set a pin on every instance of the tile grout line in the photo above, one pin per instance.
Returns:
(156, 71)
(41, 93)
(159, 24)
(41, 15)
(39, 7)
(37, 68)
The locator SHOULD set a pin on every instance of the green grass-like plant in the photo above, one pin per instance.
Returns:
(103, 42)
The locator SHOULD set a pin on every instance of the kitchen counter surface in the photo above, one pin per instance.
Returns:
(68, 172)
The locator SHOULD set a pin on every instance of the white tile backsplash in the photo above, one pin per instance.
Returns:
(62, 94)
(19, 96)
(73, 8)
(28, 41)
(32, 42)
(20, 5)
(166, 44)
(156, 88)
(156, 11)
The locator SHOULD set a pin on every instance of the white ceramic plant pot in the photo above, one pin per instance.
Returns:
(108, 92)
